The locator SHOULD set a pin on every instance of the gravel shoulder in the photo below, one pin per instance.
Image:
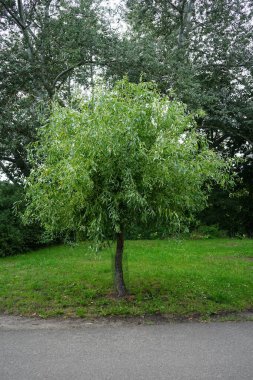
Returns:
(10, 322)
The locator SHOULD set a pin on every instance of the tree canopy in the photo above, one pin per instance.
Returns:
(203, 51)
(127, 155)
(47, 47)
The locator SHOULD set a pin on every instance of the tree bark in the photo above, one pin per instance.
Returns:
(186, 11)
(119, 277)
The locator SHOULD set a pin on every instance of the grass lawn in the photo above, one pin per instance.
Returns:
(180, 278)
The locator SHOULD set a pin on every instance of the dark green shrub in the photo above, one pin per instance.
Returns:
(14, 236)
(208, 232)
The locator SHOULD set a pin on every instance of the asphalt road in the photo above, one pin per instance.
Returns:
(31, 350)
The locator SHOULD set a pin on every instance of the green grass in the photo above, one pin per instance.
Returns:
(179, 278)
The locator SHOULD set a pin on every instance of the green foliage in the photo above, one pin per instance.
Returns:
(130, 155)
(14, 236)
(202, 49)
(232, 213)
(45, 47)
(208, 232)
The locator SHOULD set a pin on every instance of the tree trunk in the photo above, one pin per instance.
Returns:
(119, 278)
(186, 11)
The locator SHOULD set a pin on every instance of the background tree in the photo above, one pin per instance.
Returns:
(128, 156)
(47, 46)
(203, 51)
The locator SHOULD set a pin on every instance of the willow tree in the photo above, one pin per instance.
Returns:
(128, 155)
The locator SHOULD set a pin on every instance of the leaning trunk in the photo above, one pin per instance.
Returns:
(119, 278)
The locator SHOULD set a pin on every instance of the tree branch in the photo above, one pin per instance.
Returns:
(66, 71)
(20, 23)
(5, 158)
(174, 6)
(8, 174)
(69, 69)
(248, 153)
(17, 21)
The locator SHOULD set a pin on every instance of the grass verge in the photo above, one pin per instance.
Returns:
(179, 278)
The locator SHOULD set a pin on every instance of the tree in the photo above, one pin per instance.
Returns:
(129, 155)
(203, 51)
(205, 54)
(47, 46)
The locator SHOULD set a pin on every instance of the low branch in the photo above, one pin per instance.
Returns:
(244, 137)
(227, 133)
(71, 68)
